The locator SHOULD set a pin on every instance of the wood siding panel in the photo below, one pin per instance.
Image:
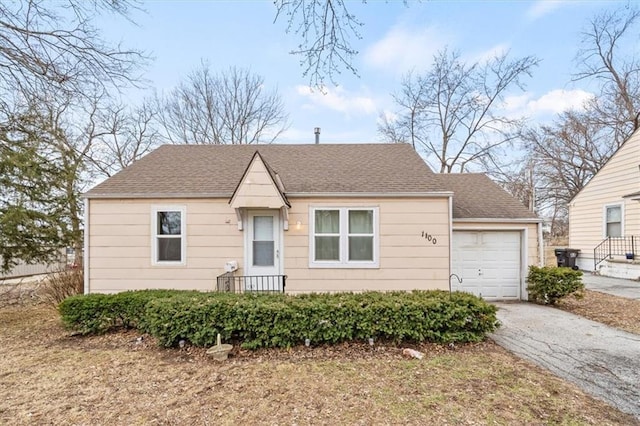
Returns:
(620, 176)
(407, 259)
(120, 246)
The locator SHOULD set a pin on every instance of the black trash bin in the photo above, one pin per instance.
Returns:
(567, 257)
(571, 256)
(561, 257)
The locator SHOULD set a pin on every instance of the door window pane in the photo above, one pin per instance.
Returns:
(361, 248)
(360, 222)
(263, 241)
(327, 248)
(263, 228)
(263, 253)
(327, 221)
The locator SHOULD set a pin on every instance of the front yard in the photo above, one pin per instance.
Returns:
(51, 377)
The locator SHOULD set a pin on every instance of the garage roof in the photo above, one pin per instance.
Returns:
(475, 196)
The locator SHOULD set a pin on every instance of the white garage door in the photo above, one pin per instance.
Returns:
(488, 263)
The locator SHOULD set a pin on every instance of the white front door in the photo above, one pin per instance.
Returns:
(263, 249)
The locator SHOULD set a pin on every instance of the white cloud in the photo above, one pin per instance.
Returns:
(558, 101)
(553, 102)
(492, 52)
(402, 49)
(541, 8)
(337, 99)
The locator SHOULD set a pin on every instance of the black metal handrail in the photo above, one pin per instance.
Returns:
(615, 246)
(228, 282)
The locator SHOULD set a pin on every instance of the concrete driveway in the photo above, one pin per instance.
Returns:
(603, 361)
(615, 286)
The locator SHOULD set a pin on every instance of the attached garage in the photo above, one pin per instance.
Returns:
(489, 263)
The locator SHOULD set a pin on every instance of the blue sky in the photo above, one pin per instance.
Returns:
(395, 39)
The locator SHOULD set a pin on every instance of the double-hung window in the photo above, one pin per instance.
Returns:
(344, 237)
(613, 221)
(168, 235)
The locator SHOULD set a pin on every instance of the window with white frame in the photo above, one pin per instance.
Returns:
(613, 221)
(168, 236)
(343, 237)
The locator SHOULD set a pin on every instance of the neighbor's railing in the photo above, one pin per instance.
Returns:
(228, 282)
(615, 246)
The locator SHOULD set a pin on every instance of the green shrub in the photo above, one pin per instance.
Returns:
(278, 320)
(283, 321)
(547, 285)
(99, 313)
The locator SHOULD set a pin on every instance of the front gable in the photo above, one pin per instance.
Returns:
(258, 188)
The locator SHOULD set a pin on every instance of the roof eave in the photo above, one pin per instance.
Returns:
(435, 194)
(498, 220)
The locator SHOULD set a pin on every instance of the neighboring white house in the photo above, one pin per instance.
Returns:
(304, 218)
(604, 217)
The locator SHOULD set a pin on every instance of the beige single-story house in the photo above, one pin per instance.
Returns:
(304, 218)
(604, 217)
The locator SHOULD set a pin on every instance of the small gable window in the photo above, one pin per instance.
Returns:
(168, 235)
(343, 237)
(613, 221)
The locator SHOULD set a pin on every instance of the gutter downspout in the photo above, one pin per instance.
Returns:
(540, 245)
(450, 240)
(85, 255)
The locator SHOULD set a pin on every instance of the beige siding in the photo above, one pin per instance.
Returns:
(121, 237)
(620, 176)
(257, 189)
(407, 260)
(120, 245)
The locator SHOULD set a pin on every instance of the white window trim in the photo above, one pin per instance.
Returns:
(154, 236)
(344, 262)
(604, 218)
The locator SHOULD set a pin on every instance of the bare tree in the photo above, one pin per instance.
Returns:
(565, 156)
(231, 107)
(55, 43)
(326, 28)
(121, 135)
(617, 107)
(450, 112)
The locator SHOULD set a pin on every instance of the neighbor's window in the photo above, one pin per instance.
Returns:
(613, 226)
(343, 237)
(168, 235)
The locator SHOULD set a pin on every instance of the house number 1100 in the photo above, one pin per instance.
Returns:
(429, 237)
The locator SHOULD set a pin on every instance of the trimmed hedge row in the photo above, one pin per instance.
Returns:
(99, 313)
(279, 320)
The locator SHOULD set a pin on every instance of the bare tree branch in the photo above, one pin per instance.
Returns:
(55, 43)
(326, 28)
(450, 111)
(231, 107)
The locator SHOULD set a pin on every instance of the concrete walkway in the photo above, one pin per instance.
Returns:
(615, 286)
(601, 360)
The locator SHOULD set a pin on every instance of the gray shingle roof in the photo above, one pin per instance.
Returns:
(176, 170)
(215, 170)
(475, 196)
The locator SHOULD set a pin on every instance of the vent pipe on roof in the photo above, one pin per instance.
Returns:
(316, 131)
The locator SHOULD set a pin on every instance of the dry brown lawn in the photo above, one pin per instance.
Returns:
(607, 309)
(48, 376)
